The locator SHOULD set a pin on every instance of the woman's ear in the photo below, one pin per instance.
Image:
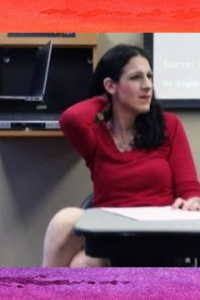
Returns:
(109, 85)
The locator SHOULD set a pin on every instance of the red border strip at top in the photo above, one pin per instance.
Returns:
(99, 16)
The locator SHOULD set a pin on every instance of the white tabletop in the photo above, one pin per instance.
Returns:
(95, 220)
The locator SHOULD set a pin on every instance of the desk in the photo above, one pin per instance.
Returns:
(127, 242)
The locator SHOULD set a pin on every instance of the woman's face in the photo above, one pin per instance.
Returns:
(134, 89)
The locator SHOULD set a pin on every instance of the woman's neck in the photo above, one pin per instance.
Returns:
(121, 131)
(121, 127)
(122, 120)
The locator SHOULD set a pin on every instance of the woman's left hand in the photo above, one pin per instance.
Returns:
(192, 204)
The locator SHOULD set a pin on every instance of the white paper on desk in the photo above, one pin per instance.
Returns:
(154, 213)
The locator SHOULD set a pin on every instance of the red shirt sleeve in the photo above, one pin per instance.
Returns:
(181, 161)
(78, 125)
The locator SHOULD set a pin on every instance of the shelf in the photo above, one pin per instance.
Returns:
(30, 133)
(80, 40)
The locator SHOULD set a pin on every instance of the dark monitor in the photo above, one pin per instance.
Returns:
(68, 81)
(41, 70)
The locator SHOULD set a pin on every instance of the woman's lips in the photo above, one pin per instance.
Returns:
(145, 98)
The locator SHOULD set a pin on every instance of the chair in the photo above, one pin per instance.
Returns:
(87, 202)
(181, 262)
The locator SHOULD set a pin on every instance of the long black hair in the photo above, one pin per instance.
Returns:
(149, 127)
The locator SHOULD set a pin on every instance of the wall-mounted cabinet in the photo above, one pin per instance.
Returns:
(73, 58)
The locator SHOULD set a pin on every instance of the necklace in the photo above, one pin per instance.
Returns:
(123, 143)
(125, 146)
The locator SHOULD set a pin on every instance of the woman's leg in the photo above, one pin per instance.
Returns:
(60, 243)
(62, 248)
(82, 260)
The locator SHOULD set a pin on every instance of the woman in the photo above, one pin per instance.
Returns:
(137, 155)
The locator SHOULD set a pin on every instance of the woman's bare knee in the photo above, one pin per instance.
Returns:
(67, 215)
(62, 224)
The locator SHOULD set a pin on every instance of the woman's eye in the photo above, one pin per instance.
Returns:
(136, 77)
(150, 76)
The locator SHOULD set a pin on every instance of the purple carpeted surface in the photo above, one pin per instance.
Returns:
(104, 283)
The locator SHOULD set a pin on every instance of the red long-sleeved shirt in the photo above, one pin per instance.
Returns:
(137, 177)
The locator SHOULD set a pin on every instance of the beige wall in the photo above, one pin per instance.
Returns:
(107, 40)
(39, 176)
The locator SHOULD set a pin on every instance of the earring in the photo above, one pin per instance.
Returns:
(99, 117)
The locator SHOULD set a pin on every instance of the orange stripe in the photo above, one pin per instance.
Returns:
(99, 16)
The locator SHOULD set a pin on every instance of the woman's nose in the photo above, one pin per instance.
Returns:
(147, 83)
